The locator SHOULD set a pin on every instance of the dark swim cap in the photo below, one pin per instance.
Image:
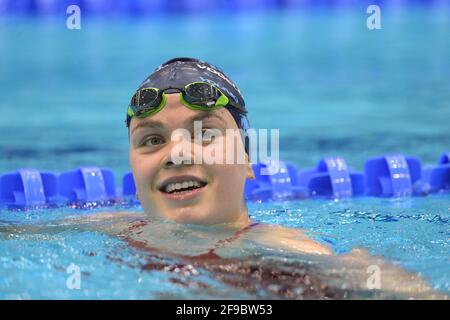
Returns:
(178, 72)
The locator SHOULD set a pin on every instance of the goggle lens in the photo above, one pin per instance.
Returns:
(202, 92)
(145, 101)
(148, 96)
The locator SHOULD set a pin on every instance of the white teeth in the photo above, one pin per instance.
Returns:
(181, 185)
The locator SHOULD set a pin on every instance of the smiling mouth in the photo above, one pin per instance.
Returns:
(182, 185)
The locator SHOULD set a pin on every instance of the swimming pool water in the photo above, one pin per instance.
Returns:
(336, 87)
(332, 87)
(412, 233)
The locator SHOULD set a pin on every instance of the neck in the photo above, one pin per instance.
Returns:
(241, 221)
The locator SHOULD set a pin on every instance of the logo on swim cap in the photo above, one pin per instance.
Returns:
(217, 72)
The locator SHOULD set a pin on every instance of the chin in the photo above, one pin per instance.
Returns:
(189, 216)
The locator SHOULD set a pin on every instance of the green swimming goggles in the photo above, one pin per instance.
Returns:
(196, 95)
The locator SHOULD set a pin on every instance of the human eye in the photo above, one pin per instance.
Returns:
(210, 126)
(211, 135)
(206, 130)
(199, 132)
(151, 141)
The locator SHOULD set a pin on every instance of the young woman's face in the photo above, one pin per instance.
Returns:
(207, 193)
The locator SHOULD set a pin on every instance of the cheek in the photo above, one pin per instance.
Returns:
(143, 170)
(230, 181)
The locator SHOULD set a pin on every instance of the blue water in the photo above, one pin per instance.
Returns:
(413, 233)
(329, 84)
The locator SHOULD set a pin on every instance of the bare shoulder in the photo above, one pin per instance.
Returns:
(290, 239)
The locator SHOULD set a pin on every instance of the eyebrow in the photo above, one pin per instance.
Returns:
(159, 125)
(148, 124)
(206, 115)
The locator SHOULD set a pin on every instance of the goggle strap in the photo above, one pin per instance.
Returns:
(222, 101)
(130, 112)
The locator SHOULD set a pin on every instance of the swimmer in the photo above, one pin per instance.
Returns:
(180, 92)
(178, 195)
